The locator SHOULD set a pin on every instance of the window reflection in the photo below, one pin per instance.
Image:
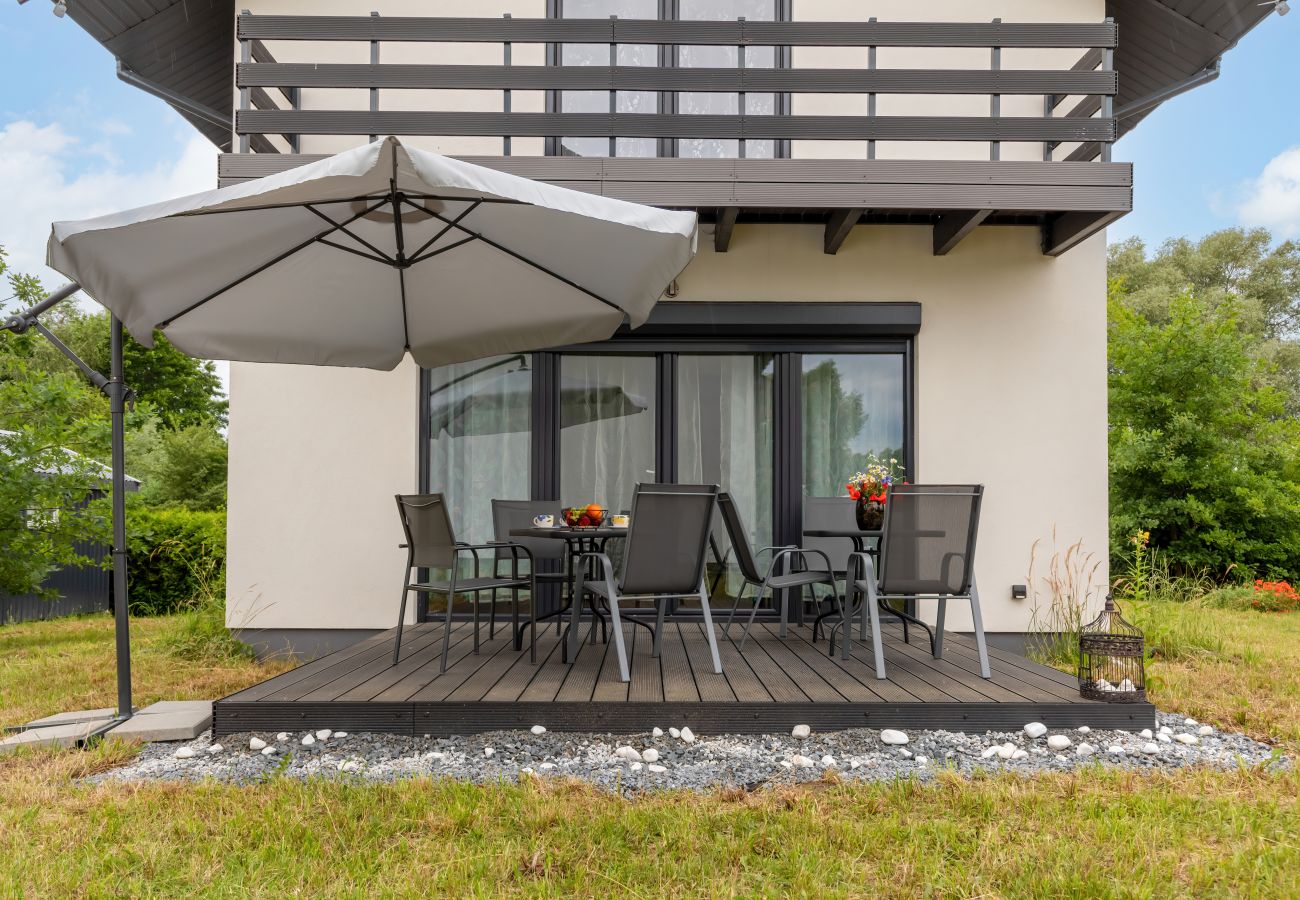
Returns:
(852, 407)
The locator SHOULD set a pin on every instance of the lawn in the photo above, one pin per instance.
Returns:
(1092, 833)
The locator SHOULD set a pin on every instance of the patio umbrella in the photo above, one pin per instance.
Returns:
(502, 404)
(357, 260)
(385, 249)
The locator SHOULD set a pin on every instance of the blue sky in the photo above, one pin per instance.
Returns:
(74, 141)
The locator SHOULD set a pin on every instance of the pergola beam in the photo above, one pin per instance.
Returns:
(952, 228)
(722, 229)
(838, 226)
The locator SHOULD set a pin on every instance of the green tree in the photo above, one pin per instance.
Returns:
(185, 468)
(1203, 453)
(51, 426)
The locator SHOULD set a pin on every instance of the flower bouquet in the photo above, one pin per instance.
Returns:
(870, 488)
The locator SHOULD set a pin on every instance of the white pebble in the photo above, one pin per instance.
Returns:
(214, 749)
(269, 751)
(489, 752)
(688, 736)
(340, 734)
(323, 734)
(802, 761)
(657, 769)
(922, 760)
(1058, 742)
(538, 729)
(1150, 748)
(800, 732)
(905, 753)
(636, 767)
(1060, 758)
(1164, 738)
(1035, 729)
(256, 743)
(1020, 754)
(282, 736)
(892, 736)
(308, 740)
(1190, 722)
(1084, 729)
(1085, 749)
(1165, 729)
(853, 763)
(673, 732)
(629, 753)
(656, 732)
(185, 753)
(1187, 739)
(351, 765)
(1115, 750)
(828, 760)
(1145, 733)
(1205, 731)
(1007, 750)
(785, 763)
(650, 754)
(526, 770)
(547, 766)
(990, 752)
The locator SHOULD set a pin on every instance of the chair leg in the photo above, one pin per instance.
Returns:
(446, 628)
(846, 619)
(492, 615)
(617, 626)
(532, 619)
(937, 649)
(758, 598)
(571, 640)
(708, 630)
(401, 617)
(662, 604)
(872, 603)
(978, 622)
(735, 605)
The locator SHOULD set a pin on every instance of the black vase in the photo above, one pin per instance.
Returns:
(870, 513)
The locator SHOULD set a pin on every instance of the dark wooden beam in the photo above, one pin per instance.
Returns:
(1070, 229)
(723, 227)
(950, 229)
(838, 226)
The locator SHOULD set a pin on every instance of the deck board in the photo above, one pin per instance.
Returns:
(767, 687)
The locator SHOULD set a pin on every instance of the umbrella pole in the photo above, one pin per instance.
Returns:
(117, 397)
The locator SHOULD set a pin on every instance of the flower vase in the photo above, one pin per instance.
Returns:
(870, 513)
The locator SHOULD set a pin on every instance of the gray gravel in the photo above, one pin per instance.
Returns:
(750, 761)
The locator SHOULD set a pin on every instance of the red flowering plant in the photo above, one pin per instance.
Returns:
(875, 479)
(1275, 596)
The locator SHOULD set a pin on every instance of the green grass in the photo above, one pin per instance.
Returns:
(1093, 833)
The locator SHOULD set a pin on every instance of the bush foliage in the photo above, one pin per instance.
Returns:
(177, 557)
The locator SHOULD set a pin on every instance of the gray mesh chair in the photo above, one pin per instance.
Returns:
(830, 513)
(927, 553)
(666, 548)
(818, 573)
(511, 514)
(431, 544)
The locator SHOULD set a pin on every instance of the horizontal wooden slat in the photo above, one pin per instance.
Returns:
(885, 128)
(641, 31)
(922, 185)
(639, 78)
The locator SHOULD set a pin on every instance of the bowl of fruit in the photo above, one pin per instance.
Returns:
(589, 516)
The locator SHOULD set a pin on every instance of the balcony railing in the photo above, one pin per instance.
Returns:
(1065, 183)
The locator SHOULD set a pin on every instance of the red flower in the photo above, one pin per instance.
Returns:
(853, 491)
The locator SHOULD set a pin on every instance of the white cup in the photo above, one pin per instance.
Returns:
(546, 520)
(618, 521)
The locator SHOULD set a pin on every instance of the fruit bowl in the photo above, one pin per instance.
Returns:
(589, 516)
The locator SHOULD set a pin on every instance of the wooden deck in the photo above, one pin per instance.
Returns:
(771, 686)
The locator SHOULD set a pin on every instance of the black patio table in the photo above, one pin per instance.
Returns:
(860, 538)
(581, 539)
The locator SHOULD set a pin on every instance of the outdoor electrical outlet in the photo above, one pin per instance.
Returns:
(1019, 592)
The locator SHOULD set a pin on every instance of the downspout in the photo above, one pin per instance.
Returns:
(185, 104)
(1152, 100)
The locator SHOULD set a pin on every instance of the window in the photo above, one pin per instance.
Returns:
(683, 102)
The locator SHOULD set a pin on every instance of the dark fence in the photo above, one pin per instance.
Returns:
(83, 589)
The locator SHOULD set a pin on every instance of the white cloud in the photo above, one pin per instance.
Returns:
(48, 174)
(1273, 199)
(44, 178)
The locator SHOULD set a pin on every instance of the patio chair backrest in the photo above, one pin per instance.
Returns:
(739, 539)
(428, 530)
(929, 539)
(510, 514)
(668, 538)
(829, 513)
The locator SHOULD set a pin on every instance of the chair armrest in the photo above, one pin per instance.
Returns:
(606, 566)
(868, 568)
(801, 553)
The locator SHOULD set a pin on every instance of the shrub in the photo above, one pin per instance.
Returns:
(177, 557)
(1275, 596)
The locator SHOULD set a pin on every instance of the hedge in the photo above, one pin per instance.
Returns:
(177, 556)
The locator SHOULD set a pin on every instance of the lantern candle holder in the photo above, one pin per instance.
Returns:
(1111, 658)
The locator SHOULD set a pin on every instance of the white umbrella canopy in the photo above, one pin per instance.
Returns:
(385, 249)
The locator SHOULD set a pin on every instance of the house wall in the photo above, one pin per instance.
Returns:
(1010, 358)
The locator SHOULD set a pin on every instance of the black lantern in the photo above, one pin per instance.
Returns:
(1111, 658)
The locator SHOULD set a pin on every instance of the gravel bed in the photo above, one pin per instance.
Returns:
(640, 762)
